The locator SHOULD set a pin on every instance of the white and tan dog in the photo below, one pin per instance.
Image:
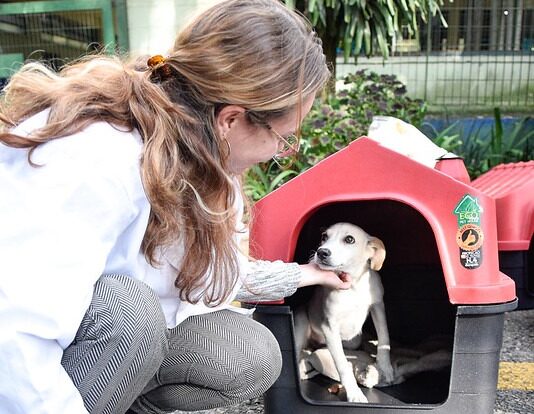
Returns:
(335, 317)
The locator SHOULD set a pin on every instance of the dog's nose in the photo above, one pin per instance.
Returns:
(323, 253)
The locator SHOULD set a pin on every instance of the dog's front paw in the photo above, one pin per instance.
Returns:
(370, 377)
(356, 395)
(387, 373)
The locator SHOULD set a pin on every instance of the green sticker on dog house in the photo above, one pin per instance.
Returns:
(469, 235)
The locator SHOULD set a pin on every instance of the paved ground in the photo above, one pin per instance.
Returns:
(515, 394)
(516, 374)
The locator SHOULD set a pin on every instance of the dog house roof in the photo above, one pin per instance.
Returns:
(512, 187)
(462, 218)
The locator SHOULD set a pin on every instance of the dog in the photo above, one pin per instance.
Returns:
(335, 317)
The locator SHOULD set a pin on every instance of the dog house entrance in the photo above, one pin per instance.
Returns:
(419, 314)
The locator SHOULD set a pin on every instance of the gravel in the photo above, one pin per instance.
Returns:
(518, 337)
(514, 402)
(518, 346)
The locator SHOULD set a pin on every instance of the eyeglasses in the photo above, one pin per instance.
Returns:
(290, 144)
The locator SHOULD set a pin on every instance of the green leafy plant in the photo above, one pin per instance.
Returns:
(261, 179)
(332, 125)
(482, 151)
(509, 146)
(357, 26)
(446, 138)
(370, 94)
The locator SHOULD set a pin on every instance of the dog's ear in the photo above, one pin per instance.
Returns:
(378, 253)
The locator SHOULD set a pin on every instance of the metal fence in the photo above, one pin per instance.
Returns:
(483, 59)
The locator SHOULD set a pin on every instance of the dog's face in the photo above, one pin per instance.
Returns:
(347, 248)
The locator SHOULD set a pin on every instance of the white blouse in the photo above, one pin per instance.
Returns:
(80, 214)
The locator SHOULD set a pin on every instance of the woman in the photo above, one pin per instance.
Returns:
(132, 172)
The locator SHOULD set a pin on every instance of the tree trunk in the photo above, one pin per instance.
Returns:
(330, 38)
(330, 51)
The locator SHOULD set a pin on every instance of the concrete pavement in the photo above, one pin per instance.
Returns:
(515, 394)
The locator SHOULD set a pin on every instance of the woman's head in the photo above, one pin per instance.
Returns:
(251, 140)
(254, 54)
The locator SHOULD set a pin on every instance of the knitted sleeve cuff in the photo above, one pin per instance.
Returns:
(269, 281)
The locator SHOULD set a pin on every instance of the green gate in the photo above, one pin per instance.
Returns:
(58, 31)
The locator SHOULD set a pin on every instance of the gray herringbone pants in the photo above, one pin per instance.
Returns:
(123, 354)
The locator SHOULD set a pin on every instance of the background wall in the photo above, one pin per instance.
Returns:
(153, 24)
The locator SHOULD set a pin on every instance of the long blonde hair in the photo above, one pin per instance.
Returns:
(252, 53)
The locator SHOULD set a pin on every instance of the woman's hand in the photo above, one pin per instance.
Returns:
(312, 275)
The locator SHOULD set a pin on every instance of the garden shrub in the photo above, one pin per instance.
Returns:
(482, 151)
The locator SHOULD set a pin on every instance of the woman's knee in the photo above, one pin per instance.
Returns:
(128, 311)
(214, 360)
(259, 360)
(261, 368)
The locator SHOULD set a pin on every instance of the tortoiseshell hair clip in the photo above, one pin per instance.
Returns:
(159, 66)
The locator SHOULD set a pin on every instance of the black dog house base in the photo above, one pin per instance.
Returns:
(471, 390)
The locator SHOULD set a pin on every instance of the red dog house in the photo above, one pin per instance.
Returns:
(441, 275)
(512, 187)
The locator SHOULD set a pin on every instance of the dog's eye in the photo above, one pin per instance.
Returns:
(349, 240)
(324, 237)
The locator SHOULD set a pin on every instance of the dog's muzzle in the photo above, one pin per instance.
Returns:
(323, 256)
